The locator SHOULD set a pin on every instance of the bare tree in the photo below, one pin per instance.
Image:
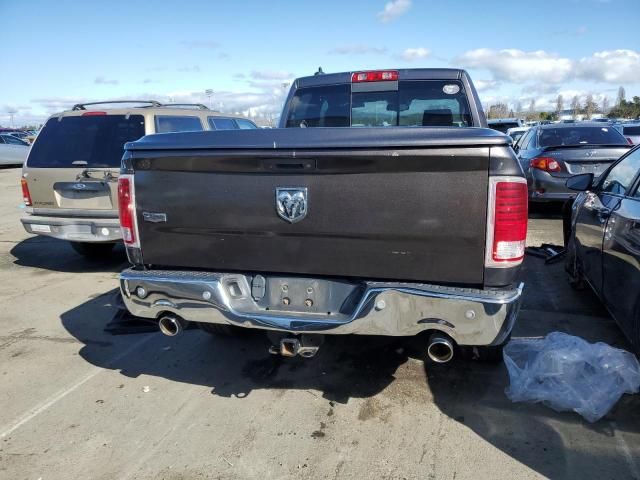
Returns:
(575, 106)
(518, 108)
(590, 107)
(559, 106)
(621, 96)
(499, 110)
(605, 105)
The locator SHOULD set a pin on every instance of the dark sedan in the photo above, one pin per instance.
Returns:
(603, 248)
(549, 154)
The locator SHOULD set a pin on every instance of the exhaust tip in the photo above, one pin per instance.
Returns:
(440, 349)
(170, 325)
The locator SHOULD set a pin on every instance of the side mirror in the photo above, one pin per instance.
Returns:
(581, 182)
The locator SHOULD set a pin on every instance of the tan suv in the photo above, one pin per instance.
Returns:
(69, 181)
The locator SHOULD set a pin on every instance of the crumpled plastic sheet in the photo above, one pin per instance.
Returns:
(567, 373)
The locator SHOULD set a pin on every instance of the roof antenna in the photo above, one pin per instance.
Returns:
(319, 72)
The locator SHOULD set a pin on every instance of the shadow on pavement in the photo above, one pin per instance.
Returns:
(556, 445)
(57, 255)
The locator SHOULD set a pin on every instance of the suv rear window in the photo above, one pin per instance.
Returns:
(631, 130)
(91, 141)
(415, 104)
(177, 123)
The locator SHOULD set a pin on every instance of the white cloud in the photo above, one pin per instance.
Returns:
(271, 75)
(393, 10)
(412, 54)
(189, 69)
(105, 81)
(518, 66)
(484, 85)
(356, 49)
(610, 66)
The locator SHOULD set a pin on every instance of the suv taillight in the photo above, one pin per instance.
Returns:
(506, 221)
(127, 209)
(547, 164)
(26, 196)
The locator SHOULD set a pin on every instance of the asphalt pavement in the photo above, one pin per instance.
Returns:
(77, 402)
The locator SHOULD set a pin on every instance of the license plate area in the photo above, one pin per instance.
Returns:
(87, 194)
(291, 295)
(595, 168)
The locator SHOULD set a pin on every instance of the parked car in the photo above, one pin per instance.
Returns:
(377, 230)
(517, 132)
(504, 124)
(549, 154)
(604, 243)
(20, 135)
(630, 130)
(69, 179)
(13, 151)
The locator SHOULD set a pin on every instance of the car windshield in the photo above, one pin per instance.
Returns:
(580, 135)
(85, 141)
(414, 104)
(503, 126)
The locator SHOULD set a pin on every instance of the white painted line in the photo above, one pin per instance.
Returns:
(626, 452)
(55, 398)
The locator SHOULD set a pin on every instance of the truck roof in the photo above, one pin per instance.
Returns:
(403, 74)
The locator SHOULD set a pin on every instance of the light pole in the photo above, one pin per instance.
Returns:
(11, 112)
(209, 93)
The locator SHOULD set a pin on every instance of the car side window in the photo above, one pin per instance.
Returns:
(523, 140)
(620, 177)
(176, 123)
(245, 124)
(13, 140)
(531, 139)
(1, 139)
(221, 123)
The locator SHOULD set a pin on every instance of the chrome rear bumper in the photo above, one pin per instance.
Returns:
(469, 316)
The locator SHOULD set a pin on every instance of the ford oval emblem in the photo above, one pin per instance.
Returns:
(79, 186)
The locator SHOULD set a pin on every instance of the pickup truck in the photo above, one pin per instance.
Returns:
(414, 223)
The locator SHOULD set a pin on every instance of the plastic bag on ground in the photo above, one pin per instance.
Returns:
(567, 373)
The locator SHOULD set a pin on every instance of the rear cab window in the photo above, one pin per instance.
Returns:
(177, 123)
(85, 141)
(415, 103)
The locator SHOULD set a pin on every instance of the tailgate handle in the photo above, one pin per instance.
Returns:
(290, 165)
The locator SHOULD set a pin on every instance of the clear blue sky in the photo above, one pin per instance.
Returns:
(57, 52)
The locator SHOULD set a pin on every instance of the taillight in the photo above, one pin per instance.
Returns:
(127, 210)
(26, 196)
(547, 164)
(506, 221)
(629, 141)
(374, 76)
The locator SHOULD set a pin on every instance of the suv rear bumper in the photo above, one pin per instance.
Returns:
(469, 316)
(74, 229)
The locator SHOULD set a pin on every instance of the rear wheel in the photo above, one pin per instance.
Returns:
(573, 267)
(94, 251)
(222, 330)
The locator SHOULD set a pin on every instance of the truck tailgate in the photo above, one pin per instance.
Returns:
(406, 214)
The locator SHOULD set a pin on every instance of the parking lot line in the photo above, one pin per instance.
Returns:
(55, 398)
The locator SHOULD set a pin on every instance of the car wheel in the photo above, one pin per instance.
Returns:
(222, 330)
(572, 266)
(94, 251)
